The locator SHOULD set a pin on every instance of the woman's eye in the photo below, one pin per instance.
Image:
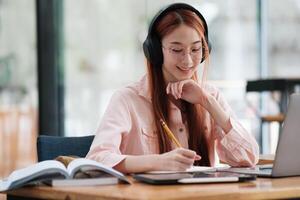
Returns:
(196, 50)
(177, 50)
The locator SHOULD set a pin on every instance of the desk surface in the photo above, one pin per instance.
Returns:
(262, 188)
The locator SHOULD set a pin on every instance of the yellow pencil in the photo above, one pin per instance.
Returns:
(169, 133)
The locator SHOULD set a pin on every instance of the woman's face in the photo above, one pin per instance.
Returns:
(182, 51)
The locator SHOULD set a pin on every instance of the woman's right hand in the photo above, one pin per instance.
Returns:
(178, 159)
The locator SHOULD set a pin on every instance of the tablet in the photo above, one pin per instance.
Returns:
(188, 178)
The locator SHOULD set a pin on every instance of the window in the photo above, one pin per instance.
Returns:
(103, 52)
(18, 88)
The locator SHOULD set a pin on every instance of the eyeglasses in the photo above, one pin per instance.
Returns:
(179, 53)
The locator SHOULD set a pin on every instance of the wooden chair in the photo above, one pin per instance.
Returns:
(273, 118)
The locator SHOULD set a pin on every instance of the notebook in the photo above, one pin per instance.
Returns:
(194, 177)
(287, 159)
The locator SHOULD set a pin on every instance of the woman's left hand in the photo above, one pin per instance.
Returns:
(192, 92)
(188, 90)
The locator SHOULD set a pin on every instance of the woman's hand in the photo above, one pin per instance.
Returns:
(191, 92)
(188, 90)
(178, 159)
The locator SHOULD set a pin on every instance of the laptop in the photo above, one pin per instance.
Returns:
(287, 159)
(193, 177)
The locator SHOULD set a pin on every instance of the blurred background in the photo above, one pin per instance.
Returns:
(61, 60)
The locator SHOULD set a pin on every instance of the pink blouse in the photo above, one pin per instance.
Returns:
(128, 128)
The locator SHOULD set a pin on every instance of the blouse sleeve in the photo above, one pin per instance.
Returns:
(115, 122)
(238, 147)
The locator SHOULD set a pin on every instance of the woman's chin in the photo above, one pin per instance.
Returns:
(181, 77)
(184, 74)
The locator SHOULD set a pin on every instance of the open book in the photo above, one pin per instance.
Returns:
(79, 172)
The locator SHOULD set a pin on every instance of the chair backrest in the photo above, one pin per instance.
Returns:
(49, 147)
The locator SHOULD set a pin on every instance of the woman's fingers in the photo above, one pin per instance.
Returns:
(197, 157)
(188, 90)
(178, 159)
(186, 152)
(181, 84)
(185, 160)
(188, 155)
(168, 88)
(173, 88)
(176, 88)
(177, 93)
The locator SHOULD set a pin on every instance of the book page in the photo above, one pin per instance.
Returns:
(84, 182)
(22, 176)
(3, 185)
(84, 165)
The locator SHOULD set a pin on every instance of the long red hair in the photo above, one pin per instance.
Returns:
(194, 113)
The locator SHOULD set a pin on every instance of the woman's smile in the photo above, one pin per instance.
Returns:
(185, 70)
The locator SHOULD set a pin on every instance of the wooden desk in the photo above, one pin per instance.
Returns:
(262, 188)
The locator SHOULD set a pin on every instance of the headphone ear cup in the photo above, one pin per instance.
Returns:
(146, 49)
(203, 50)
(209, 46)
(153, 51)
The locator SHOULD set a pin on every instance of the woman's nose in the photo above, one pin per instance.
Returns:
(187, 60)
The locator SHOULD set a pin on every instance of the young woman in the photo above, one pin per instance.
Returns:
(131, 138)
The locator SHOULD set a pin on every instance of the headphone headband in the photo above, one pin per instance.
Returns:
(173, 7)
(152, 44)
